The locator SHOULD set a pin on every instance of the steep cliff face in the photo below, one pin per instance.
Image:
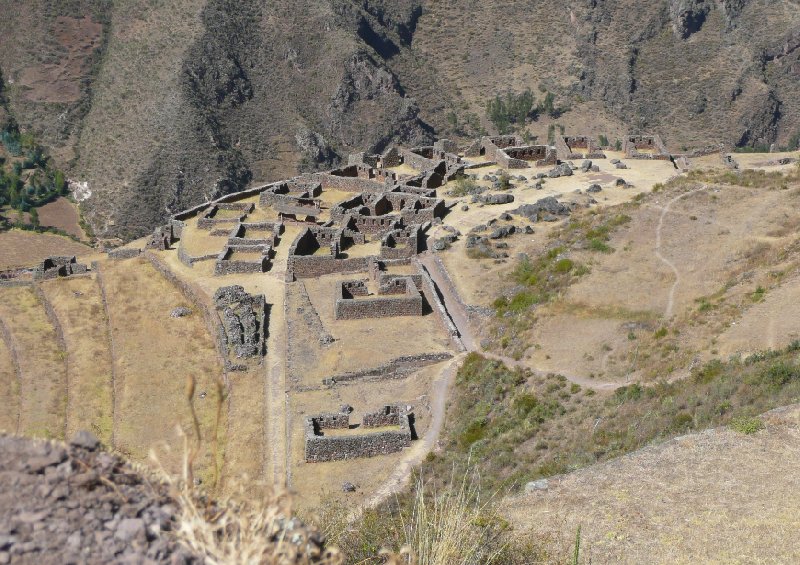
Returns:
(159, 106)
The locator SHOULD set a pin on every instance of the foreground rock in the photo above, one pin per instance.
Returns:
(78, 504)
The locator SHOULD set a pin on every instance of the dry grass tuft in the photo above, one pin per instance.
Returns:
(243, 528)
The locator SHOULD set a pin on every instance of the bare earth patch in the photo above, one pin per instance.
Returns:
(61, 214)
(24, 249)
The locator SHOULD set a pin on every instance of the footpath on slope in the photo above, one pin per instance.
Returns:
(667, 262)
(458, 313)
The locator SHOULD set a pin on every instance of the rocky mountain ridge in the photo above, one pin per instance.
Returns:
(161, 106)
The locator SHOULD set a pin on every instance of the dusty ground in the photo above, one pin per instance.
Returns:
(713, 497)
(25, 249)
(366, 343)
(679, 248)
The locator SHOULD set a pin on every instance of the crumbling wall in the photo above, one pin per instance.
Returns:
(636, 144)
(210, 220)
(394, 369)
(319, 448)
(58, 266)
(244, 319)
(402, 298)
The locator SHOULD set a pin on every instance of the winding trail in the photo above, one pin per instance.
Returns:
(414, 455)
(458, 313)
(667, 262)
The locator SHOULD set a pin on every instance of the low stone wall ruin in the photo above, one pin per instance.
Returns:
(399, 297)
(58, 266)
(320, 448)
(394, 369)
(634, 144)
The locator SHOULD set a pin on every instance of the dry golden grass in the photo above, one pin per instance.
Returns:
(713, 497)
(154, 354)
(43, 388)
(79, 307)
(9, 390)
(24, 249)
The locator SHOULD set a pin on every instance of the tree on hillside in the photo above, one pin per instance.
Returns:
(511, 110)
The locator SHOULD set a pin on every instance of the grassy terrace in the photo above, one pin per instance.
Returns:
(43, 379)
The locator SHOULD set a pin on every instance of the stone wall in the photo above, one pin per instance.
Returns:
(402, 299)
(636, 144)
(445, 321)
(348, 183)
(210, 220)
(394, 369)
(386, 416)
(244, 320)
(577, 147)
(319, 448)
(509, 152)
(190, 260)
(58, 266)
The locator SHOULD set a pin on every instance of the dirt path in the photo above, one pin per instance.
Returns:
(276, 417)
(667, 262)
(414, 455)
(455, 307)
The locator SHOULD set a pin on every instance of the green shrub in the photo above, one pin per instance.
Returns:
(599, 245)
(709, 371)
(682, 421)
(758, 295)
(522, 301)
(475, 431)
(660, 332)
(628, 393)
(779, 374)
(746, 425)
(563, 266)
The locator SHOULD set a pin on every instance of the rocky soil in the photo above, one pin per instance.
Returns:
(77, 503)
